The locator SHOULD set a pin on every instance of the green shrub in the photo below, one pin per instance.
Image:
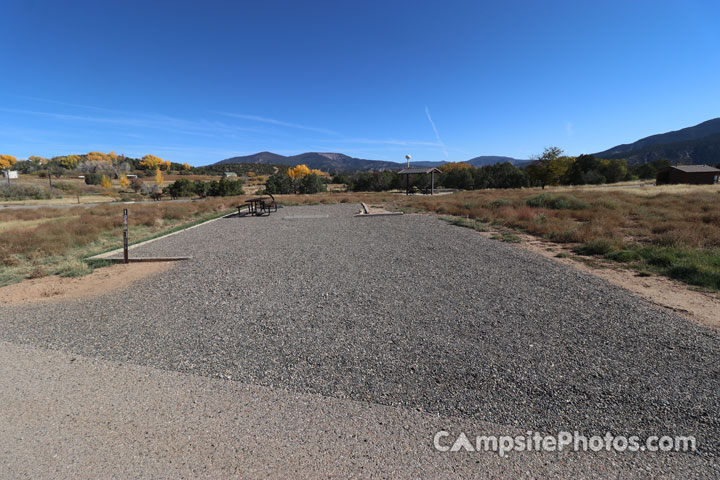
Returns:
(22, 192)
(279, 183)
(311, 183)
(225, 188)
(93, 178)
(64, 186)
(557, 202)
(498, 203)
(595, 247)
(181, 188)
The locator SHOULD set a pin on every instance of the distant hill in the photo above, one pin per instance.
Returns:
(338, 162)
(492, 160)
(329, 162)
(693, 145)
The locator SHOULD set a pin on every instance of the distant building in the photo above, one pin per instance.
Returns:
(10, 174)
(229, 174)
(130, 176)
(691, 174)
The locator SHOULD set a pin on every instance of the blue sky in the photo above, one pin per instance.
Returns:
(202, 81)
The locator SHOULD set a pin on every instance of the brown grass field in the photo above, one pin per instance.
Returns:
(670, 230)
(46, 241)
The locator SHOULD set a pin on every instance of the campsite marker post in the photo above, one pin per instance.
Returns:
(125, 236)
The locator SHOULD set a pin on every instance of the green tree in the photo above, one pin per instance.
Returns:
(181, 188)
(280, 183)
(311, 183)
(546, 168)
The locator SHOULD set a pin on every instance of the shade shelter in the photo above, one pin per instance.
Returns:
(414, 171)
(691, 174)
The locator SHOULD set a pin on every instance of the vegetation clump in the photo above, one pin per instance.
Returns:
(556, 202)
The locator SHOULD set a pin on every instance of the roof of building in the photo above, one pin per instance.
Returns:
(696, 168)
(419, 170)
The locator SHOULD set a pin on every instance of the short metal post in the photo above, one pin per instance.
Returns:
(125, 236)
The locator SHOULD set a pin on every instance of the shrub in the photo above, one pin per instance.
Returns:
(599, 246)
(498, 203)
(94, 178)
(22, 192)
(279, 183)
(225, 188)
(181, 188)
(311, 183)
(136, 184)
(557, 202)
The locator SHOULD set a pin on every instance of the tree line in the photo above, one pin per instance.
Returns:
(549, 168)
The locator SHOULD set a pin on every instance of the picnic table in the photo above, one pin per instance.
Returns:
(258, 206)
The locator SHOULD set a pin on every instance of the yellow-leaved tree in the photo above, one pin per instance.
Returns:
(186, 166)
(166, 165)
(159, 177)
(105, 182)
(151, 162)
(298, 172)
(98, 157)
(124, 182)
(7, 161)
(69, 162)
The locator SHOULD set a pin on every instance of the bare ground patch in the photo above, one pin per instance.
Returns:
(101, 281)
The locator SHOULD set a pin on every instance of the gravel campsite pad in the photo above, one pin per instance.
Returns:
(400, 311)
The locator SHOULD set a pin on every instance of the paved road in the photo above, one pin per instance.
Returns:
(353, 340)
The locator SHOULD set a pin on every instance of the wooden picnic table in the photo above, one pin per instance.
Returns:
(259, 205)
(255, 204)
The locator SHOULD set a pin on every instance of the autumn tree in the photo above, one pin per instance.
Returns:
(97, 157)
(298, 172)
(7, 161)
(151, 162)
(105, 182)
(124, 182)
(186, 166)
(69, 162)
(158, 177)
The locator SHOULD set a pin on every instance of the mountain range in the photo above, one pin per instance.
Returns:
(698, 145)
(338, 162)
(693, 145)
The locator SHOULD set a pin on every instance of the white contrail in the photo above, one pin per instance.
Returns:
(437, 135)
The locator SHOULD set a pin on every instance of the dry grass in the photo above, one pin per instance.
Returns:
(44, 241)
(672, 230)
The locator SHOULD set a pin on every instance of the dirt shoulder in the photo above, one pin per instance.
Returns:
(99, 282)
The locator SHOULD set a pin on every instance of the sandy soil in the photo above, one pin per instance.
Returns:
(700, 307)
(101, 281)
